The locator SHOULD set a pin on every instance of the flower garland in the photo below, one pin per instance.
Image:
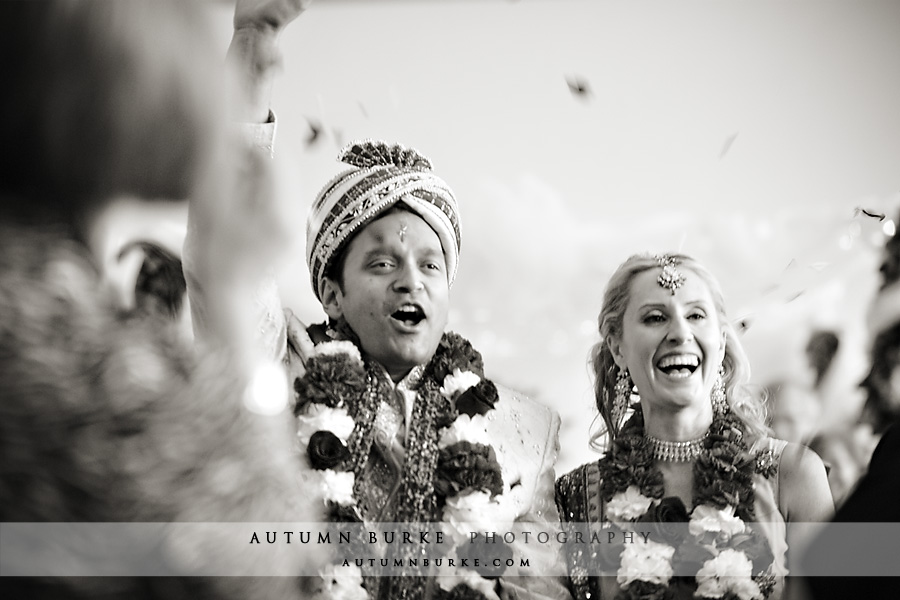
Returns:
(451, 474)
(731, 560)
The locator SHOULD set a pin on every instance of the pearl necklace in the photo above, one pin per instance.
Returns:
(667, 451)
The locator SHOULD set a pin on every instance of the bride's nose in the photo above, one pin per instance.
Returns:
(679, 331)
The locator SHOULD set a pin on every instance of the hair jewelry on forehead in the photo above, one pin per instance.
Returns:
(670, 278)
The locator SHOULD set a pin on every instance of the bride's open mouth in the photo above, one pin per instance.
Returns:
(679, 365)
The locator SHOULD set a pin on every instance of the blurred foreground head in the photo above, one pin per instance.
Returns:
(110, 114)
(104, 99)
(105, 418)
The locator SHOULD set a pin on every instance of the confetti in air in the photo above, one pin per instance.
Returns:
(727, 145)
(869, 213)
(578, 87)
(315, 129)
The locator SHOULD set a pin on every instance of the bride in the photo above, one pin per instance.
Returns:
(692, 450)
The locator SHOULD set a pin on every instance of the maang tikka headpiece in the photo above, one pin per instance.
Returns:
(670, 278)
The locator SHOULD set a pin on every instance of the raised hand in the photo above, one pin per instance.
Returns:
(267, 14)
(254, 52)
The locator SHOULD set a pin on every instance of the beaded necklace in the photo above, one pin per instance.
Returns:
(667, 451)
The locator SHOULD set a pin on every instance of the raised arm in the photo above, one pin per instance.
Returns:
(237, 232)
(254, 53)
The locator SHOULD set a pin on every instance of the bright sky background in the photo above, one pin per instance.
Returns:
(743, 133)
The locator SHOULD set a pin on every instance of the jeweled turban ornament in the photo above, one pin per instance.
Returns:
(670, 278)
(382, 175)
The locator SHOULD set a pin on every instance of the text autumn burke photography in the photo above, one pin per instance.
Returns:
(429, 537)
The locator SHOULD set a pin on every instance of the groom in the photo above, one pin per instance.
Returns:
(383, 242)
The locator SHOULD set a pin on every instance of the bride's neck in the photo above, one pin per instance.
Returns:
(685, 424)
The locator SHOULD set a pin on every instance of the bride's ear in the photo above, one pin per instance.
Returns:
(615, 348)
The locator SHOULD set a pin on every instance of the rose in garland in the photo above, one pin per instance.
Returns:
(466, 467)
(629, 463)
(331, 379)
(454, 352)
(326, 450)
(666, 520)
(647, 591)
(478, 399)
(486, 553)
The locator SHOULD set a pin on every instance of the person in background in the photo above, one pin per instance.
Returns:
(842, 548)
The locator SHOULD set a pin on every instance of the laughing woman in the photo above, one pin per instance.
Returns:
(688, 459)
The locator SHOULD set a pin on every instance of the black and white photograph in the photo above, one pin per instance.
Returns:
(450, 299)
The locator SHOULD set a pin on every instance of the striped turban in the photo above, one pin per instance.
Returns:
(382, 175)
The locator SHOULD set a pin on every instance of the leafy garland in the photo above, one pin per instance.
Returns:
(451, 473)
(732, 561)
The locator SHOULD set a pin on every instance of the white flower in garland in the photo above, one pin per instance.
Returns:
(646, 561)
(338, 487)
(319, 417)
(466, 429)
(730, 571)
(335, 348)
(627, 505)
(341, 583)
(458, 382)
(477, 512)
(708, 518)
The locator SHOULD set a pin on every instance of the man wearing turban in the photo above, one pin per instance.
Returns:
(383, 240)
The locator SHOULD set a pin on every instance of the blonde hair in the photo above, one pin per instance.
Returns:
(745, 402)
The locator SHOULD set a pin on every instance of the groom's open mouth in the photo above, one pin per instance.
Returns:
(409, 314)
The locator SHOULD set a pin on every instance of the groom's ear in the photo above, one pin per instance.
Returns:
(332, 299)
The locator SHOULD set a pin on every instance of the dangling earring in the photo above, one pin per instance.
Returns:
(717, 395)
(622, 398)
